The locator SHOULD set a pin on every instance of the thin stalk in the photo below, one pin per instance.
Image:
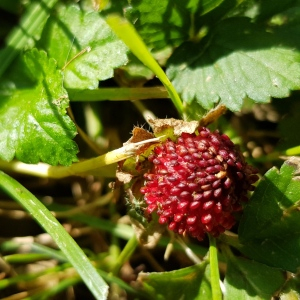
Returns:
(125, 254)
(85, 167)
(25, 258)
(54, 290)
(114, 247)
(89, 166)
(214, 269)
(84, 136)
(7, 282)
(119, 94)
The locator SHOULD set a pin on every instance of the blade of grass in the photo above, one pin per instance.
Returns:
(127, 33)
(30, 25)
(25, 258)
(13, 246)
(64, 241)
(54, 290)
(7, 282)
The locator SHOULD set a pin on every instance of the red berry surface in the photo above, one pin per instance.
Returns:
(197, 182)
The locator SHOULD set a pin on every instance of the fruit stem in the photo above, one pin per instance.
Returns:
(125, 254)
(89, 166)
(214, 267)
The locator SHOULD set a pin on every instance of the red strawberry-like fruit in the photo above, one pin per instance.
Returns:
(197, 182)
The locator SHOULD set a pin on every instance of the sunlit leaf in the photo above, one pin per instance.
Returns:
(239, 59)
(85, 45)
(33, 121)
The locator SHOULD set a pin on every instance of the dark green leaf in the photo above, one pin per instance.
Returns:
(270, 227)
(239, 59)
(33, 119)
(267, 8)
(247, 280)
(281, 252)
(164, 23)
(73, 31)
(289, 129)
(187, 283)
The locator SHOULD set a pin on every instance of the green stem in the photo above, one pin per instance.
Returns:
(49, 293)
(119, 94)
(30, 24)
(25, 258)
(7, 282)
(214, 269)
(125, 254)
(64, 241)
(127, 33)
(86, 167)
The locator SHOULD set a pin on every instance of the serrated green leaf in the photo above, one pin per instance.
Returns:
(67, 38)
(247, 280)
(187, 283)
(239, 59)
(33, 117)
(270, 226)
(273, 208)
(168, 23)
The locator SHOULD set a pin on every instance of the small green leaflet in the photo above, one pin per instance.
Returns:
(236, 60)
(187, 283)
(270, 227)
(85, 41)
(33, 121)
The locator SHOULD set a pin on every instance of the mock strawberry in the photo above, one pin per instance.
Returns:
(197, 183)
